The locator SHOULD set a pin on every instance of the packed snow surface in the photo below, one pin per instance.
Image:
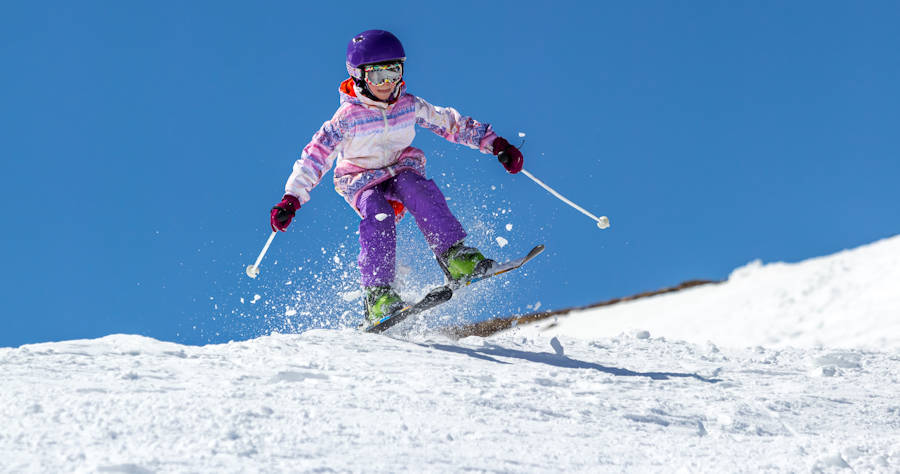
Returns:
(847, 300)
(611, 390)
(344, 401)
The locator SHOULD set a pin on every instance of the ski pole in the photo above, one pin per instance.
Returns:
(602, 221)
(253, 270)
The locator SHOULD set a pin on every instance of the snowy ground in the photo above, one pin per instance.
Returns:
(344, 401)
(627, 394)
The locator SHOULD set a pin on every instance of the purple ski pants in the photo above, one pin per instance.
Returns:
(378, 238)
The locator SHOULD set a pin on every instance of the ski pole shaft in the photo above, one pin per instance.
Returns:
(253, 270)
(602, 222)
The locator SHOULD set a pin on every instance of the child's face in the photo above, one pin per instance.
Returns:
(381, 78)
(382, 92)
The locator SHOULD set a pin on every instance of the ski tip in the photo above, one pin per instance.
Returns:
(535, 251)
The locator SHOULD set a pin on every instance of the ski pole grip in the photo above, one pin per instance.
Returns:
(503, 157)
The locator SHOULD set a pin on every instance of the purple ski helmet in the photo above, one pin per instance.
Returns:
(370, 47)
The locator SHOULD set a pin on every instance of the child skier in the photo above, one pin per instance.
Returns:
(381, 175)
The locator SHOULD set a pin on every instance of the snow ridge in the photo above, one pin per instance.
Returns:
(847, 300)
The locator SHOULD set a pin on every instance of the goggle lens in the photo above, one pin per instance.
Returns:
(378, 74)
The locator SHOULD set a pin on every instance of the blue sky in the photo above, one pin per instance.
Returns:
(144, 143)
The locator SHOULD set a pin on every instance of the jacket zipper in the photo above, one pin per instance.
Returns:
(390, 169)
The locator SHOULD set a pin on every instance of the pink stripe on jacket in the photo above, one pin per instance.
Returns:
(371, 141)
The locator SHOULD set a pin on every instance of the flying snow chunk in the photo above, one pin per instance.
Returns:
(255, 299)
(508, 227)
(351, 295)
(502, 242)
(403, 270)
(521, 134)
(557, 347)
(381, 216)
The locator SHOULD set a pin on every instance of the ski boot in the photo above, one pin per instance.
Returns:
(381, 301)
(461, 264)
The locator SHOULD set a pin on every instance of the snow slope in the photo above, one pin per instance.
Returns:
(330, 400)
(608, 390)
(847, 300)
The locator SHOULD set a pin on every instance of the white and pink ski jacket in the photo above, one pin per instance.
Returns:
(371, 142)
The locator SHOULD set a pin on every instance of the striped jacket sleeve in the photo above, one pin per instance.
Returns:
(450, 124)
(316, 159)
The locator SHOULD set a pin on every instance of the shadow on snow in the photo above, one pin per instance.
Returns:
(489, 352)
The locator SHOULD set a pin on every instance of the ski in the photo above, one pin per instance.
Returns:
(433, 298)
(444, 293)
(500, 268)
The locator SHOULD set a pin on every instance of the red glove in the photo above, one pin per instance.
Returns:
(283, 212)
(510, 157)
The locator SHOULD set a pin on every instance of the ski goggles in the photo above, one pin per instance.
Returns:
(378, 74)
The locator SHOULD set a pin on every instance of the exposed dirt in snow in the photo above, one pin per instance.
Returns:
(492, 326)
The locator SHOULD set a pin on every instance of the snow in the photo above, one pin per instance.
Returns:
(344, 401)
(656, 396)
(501, 242)
(846, 300)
